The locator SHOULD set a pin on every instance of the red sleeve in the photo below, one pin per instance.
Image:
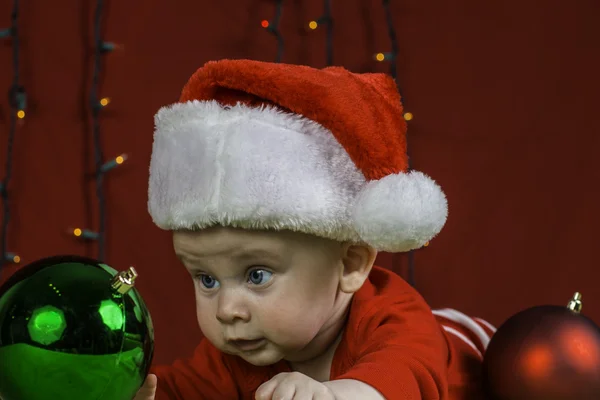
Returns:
(205, 376)
(400, 349)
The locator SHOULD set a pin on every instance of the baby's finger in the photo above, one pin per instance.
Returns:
(306, 392)
(265, 391)
(148, 389)
(284, 391)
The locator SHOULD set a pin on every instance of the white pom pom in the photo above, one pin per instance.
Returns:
(400, 212)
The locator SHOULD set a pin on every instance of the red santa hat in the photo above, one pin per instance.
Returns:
(274, 146)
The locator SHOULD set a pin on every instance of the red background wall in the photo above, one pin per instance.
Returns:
(505, 98)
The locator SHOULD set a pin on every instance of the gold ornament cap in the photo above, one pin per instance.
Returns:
(575, 304)
(124, 280)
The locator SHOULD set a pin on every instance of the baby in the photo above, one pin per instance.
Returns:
(280, 184)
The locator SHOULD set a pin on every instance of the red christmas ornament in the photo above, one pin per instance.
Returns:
(544, 353)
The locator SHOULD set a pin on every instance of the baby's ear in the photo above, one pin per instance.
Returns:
(357, 260)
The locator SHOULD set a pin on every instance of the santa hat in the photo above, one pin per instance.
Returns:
(273, 146)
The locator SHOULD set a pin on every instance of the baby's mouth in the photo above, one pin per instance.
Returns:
(247, 345)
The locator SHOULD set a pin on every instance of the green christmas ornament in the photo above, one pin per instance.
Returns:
(73, 328)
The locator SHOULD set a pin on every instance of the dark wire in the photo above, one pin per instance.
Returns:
(15, 93)
(95, 108)
(393, 40)
(328, 19)
(394, 74)
(274, 29)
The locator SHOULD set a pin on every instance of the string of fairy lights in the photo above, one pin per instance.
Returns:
(391, 57)
(273, 28)
(17, 98)
(101, 167)
(327, 20)
(18, 103)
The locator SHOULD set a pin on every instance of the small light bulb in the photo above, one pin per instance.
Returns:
(313, 25)
(264, 23)
(12, 257)
(113, 163)
(408, 116)
(85, 234)
(21, 114)
(380, 57)
(104, 102)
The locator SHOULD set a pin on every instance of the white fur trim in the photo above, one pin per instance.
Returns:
(248, 167)
(400, 212)
(260, 168)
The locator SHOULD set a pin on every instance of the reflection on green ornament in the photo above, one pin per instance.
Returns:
(112, 315)
(46, 325)
(72, 328)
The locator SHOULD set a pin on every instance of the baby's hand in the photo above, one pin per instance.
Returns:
(148, 389)
(293, 386)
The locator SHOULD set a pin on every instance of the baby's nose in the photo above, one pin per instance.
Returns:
(231, 307)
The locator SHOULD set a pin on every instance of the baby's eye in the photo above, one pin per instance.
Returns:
(208, 281)
(259, 276)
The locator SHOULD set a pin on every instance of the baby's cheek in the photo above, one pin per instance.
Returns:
(291, 321)
(206, 320)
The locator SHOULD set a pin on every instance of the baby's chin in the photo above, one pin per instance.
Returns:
(265, 357)
(269, 354)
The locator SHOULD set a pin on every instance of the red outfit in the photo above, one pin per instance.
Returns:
(392, 342)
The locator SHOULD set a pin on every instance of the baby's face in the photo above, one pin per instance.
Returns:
(264, 296)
